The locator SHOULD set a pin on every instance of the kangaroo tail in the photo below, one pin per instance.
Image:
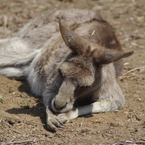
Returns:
(15, 52)
(19, 73)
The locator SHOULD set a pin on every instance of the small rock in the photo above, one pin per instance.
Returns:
(84, 130)
(12, 121)
(114, 124)
(24, 95)
(50, 135)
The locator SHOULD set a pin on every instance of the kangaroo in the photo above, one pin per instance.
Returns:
(71, 58)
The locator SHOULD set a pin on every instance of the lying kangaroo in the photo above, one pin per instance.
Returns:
(71, 58)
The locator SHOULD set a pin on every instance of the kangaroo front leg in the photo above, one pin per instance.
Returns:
(96, 107)
(53, 122)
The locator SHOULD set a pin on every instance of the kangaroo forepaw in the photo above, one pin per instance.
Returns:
(53, 123)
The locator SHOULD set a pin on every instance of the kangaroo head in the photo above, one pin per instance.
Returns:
(80, 70)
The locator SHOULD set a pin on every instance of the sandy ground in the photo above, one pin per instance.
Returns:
(22, 115)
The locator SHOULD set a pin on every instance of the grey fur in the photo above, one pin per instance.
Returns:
(69, 68)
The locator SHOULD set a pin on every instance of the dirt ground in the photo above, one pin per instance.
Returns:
(22, 115)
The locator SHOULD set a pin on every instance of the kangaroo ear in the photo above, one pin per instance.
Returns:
(75, 42)
(108, 56)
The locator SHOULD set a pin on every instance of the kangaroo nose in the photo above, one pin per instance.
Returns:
(59, 105)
